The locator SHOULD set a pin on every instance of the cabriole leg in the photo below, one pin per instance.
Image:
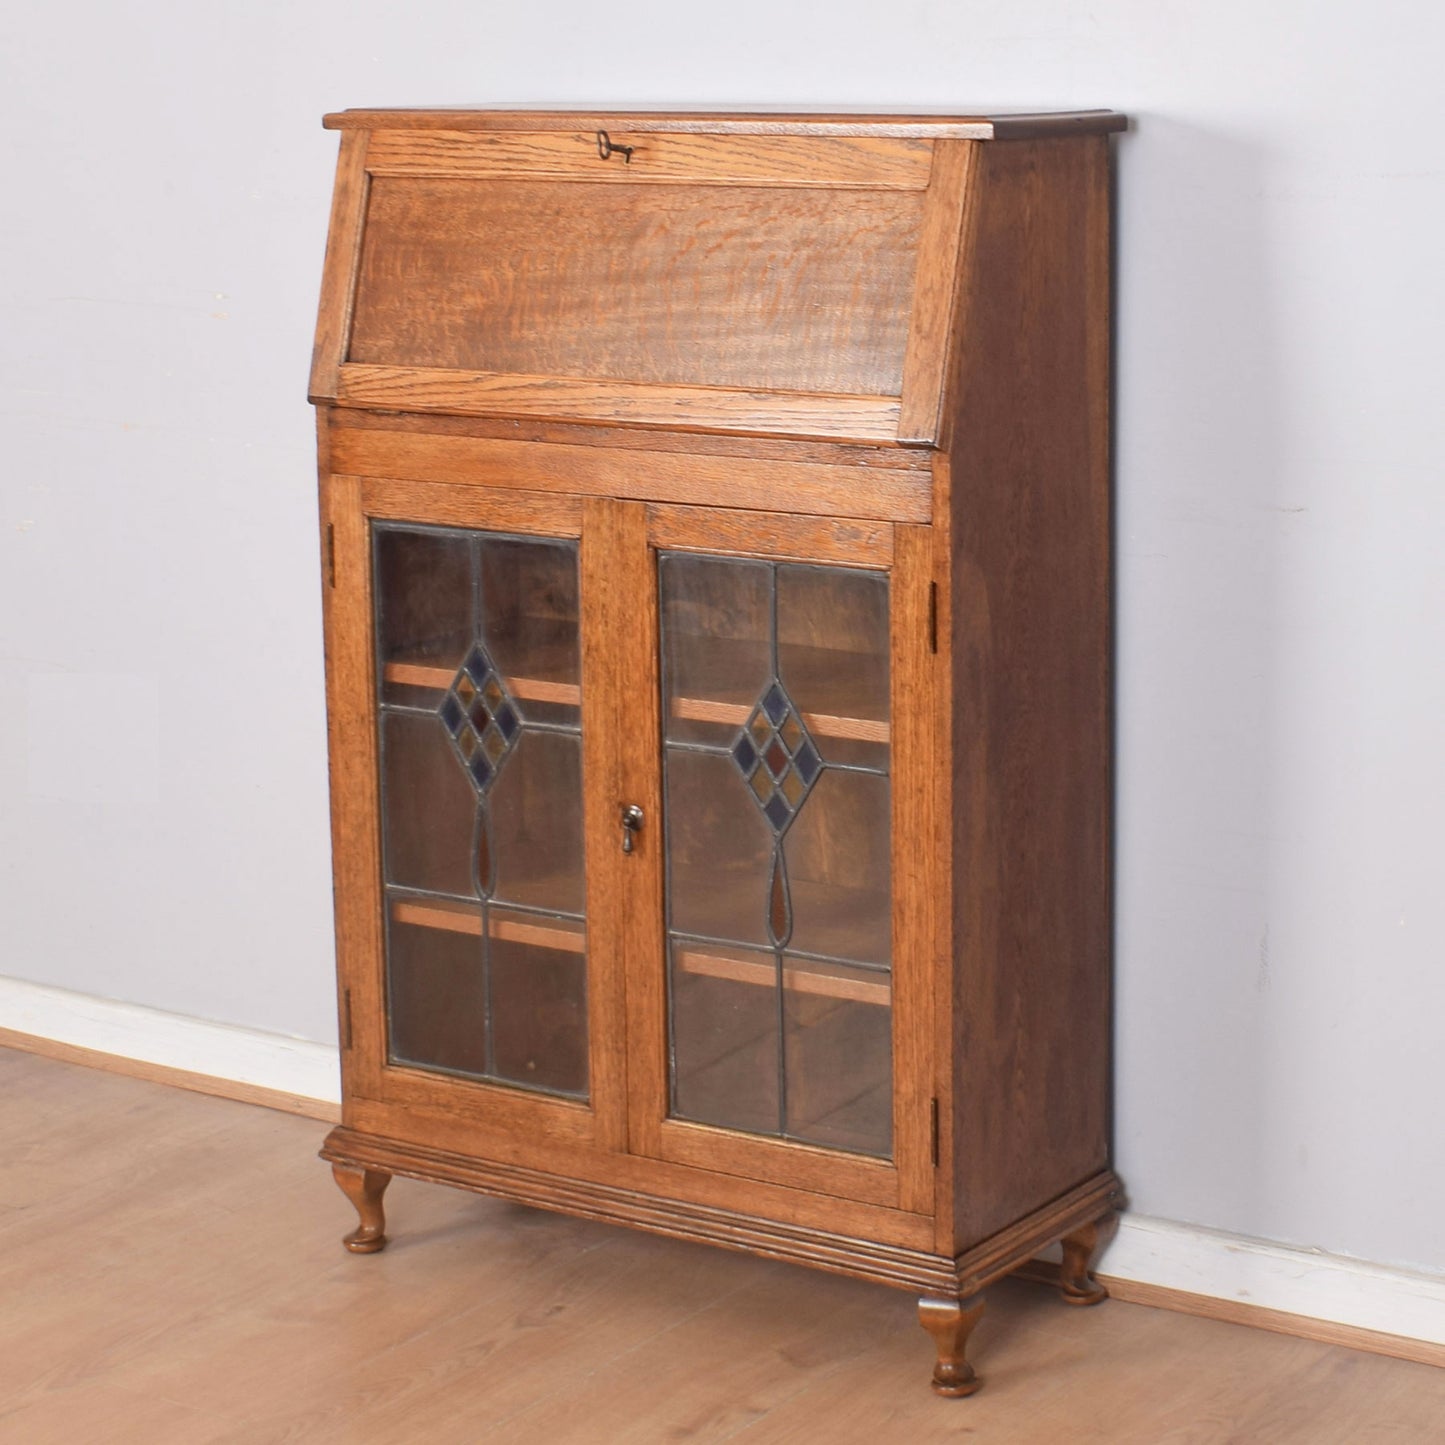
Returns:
(1076, 1284)
(950, 1322)
(364, 1188)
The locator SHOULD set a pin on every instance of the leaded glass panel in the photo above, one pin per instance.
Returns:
(776, 762)
(478, 696)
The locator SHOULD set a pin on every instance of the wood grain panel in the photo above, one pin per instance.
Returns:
(876, 162)
(925, 371)
(780, 1161)
(343, 249)
(1031, 644)
(669, 1189)
(665, 1198)
(618, 659)
(859, 457)
(355, 804)
(753, 289)
(632, 403)
(500, 465)
(922, 123)
(785, 537)
(543, 514)
(919, 861)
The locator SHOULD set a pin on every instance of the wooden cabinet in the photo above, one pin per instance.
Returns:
(717, 611)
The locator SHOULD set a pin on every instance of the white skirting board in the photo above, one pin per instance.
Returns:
(244, 1056)
(1157, 1252)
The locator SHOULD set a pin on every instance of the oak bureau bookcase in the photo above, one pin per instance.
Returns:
(717, 585)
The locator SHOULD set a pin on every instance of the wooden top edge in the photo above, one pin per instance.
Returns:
(920, 124)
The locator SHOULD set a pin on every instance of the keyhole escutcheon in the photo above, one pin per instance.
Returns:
(631, 825)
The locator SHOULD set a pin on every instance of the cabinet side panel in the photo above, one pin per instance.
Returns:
(1031, 640)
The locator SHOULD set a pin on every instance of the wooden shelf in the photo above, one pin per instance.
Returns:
(828, 980)
(800, 976)
(438, 677)
(564, 935)
(811, 672)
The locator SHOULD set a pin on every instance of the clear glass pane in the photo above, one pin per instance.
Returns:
(424, 588)
(779, 837)
(536, 823)
(539, 1001)
(429, 810)
(838, 869)
(481, 802)
(529, 619)
(717, 644)
(838, 1053)
(718, 850)
(833, 658)
(436, 987)
(725, 1037)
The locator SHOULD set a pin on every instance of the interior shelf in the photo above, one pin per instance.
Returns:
(799, 975)
(830, 681)
(567, 936)
(438, 676)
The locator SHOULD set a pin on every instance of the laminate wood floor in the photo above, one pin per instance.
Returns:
(170, 1271)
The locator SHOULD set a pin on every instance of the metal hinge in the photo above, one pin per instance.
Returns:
(933, 616)
(331, 554)
(346, 1018)
(933, 1131)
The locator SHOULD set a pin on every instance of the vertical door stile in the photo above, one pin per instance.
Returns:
(917, 853)
(619, 651)
(350, 683)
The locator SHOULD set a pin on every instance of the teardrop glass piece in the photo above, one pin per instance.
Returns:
(780, 906)
(482, 851)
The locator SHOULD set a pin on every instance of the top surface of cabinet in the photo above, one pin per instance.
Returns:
(764, 274)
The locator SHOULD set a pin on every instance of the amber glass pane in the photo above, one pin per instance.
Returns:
(481, 803)
(779, 837)
(539, 1001)
(717, 622)
(838, 1050)
(725, 1037)
(437, 997)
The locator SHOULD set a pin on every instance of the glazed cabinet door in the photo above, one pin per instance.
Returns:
(790, 974)
(472, 981)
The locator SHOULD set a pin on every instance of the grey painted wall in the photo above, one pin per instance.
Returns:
(1282, 669)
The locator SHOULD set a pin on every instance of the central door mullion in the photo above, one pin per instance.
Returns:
(620, 728)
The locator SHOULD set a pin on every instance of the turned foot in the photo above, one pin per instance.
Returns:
(1076, 1284)
(364, 1188)
(950, 1322)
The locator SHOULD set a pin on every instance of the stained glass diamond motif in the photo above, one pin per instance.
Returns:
(776, 757)
(479, 717)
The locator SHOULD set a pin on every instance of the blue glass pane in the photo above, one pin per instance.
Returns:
(808, 762)
(745, 755)
(451, 714)
(507, 721)
(777, 810)
(776, 703)
(477, 666)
